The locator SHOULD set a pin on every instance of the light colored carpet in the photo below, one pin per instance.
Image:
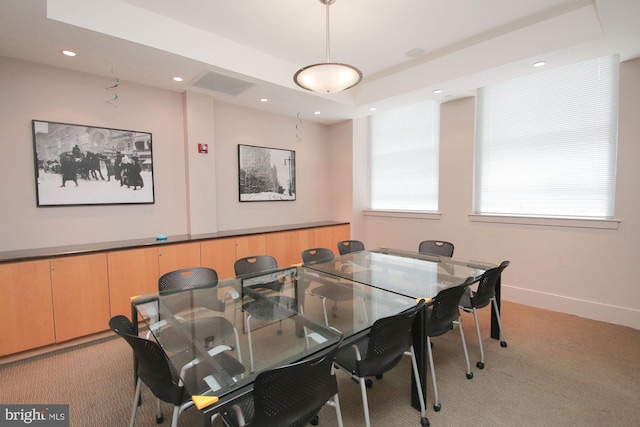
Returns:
(557, 370)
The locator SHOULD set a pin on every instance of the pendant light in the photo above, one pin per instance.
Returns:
(327, 77)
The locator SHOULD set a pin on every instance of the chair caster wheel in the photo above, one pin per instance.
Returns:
(470, 375)
(368, 383)
(503, 344)
(480, 365)
(314, 421)
(160, 419)
(437, 407)
(424, 422)
(379, 377)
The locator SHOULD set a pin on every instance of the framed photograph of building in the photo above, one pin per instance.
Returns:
(266, 174)
(88, 165)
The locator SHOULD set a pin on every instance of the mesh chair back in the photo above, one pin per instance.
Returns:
(443, 311)
(487, 286)
(436, 247)
(174, 282)
(293, 394)
(187, 278)
(154, 368)
(349, 246)
(389, 338)
(317, 255)
(254, 264)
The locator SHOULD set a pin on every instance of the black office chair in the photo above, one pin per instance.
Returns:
(442, 314)
(436, 247)
(271, 305)
(350, 246)
(158, 373)
(317, 255)
(174, 283)
(326, 292)
(482, 297)
(290, 395)
(379, 352)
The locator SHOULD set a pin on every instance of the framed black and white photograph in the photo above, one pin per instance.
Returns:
(88, 165)
(266, 174)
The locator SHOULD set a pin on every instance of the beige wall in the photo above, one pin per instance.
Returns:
(195, 193)
(588, 272)
(29, 92)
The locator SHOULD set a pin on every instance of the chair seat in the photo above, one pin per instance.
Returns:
(208, 331)
(271, 308)
(468, 304)
(333, 293)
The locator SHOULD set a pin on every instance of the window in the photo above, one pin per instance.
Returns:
(404, 158)
(546, 144)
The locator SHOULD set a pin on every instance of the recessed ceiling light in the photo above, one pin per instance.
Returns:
(316, 112)
(437, 91)
(263, 100)
(178, 79)
(68, 53)
(539, 64)
(372, 109)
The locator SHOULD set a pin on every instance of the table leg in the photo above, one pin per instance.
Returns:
(495, 329)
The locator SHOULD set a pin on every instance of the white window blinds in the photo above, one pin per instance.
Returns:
(546, 144)
(404, 158)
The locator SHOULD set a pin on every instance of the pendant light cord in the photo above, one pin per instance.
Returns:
(328, 3)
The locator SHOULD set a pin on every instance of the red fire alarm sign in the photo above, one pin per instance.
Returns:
(203, 148)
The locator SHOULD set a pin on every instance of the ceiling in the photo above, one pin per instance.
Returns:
(244, 50)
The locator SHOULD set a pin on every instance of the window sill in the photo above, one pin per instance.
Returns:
(403, 214)
(607, 224)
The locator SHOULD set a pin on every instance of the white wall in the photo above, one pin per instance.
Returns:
(236, 125)
(29, 91)
(194, 193)
(587, 272)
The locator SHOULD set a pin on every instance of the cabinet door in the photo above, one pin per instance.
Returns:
(131, 273)
(339, 233)
(250, 246)
(323, 238)
(80, 295)
(178, 256)
(219, 254)
(280, 246)
(303, 240)
(26, 299)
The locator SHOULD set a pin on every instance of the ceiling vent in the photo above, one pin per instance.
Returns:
(223, 84)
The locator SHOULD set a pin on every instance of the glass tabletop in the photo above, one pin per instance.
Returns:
(402, 272)
(220, 337)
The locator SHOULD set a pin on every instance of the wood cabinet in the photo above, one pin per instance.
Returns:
(178, 256)
(135, 272)
(339, 233)
(281, 246)
(80, 291)
(132, 272)
(26, 307)
(67, 297)
(287, 246)
(219, 254)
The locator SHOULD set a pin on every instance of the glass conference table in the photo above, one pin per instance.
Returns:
(277, 318)
(408, 274)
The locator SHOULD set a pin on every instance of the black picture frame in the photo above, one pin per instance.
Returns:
(81, 165)
(266, 174)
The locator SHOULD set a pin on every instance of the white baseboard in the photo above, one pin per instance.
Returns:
(588, 309)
